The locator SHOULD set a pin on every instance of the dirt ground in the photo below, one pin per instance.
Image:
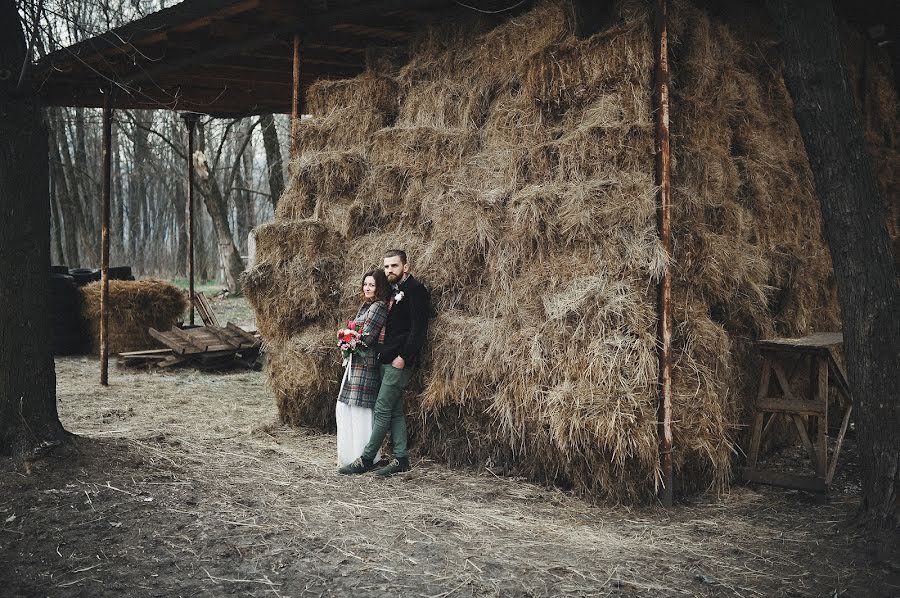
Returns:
(182, 483)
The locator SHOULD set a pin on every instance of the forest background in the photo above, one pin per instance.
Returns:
(148, 211)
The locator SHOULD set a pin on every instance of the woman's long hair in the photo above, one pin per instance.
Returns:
(382, 288)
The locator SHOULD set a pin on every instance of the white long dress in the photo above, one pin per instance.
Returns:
(354, 428)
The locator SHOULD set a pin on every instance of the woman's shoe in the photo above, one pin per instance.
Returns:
(361, 465)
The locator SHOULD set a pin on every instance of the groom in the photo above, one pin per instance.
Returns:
(403, 338)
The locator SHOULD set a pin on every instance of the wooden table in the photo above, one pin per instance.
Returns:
(777, 398)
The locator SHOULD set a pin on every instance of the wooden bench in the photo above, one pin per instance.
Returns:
(777, 398)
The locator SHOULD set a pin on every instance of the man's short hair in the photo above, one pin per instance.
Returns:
(396, 253)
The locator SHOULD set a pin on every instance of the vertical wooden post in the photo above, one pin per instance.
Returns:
(190, 119)
(106, 166)
(822, 438)
(664, 331)
(295, 98)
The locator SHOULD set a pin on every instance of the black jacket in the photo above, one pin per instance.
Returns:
(407, 324)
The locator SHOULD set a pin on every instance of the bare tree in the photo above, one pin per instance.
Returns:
(273, 158)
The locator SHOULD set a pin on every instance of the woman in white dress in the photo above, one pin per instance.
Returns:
(362, 376)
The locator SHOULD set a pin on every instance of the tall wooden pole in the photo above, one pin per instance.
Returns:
(295, 99)
(190, 119)
(664, 330)
(106, 160)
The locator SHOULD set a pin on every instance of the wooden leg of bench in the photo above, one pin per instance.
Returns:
(754, 440)
(801, 429)
(822, 396)
(837, 446)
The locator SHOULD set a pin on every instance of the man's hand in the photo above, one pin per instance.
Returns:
(398, 363)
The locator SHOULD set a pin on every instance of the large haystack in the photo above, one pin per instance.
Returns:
(515, 164)
(135, 306)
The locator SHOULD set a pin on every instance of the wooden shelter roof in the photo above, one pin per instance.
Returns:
(228, 57)
(234, 57)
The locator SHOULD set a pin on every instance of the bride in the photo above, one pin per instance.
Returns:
(362, 377)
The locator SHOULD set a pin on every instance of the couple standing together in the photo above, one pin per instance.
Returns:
(391, 325)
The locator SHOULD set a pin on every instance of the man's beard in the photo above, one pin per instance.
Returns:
(394, 278)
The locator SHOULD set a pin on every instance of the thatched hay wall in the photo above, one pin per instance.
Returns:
(135, 306)
(516, 167)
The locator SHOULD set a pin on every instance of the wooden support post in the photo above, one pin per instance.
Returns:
(190, 119)
(822, 439)
(664, 411)
(106, 173)
(295, 99)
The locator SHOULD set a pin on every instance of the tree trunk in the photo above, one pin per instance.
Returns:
(64, 199)
(137, 193)
(57, 256)
(28, 413)
(76, 204)
(218, 211)
(89, 190)
(854, 220)
(177, 166)
(273, 158)
(117, 215)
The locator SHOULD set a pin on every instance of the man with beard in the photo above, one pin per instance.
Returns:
(403, 337)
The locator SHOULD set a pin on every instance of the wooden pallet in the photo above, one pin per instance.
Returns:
(776, 398)
(206, 347)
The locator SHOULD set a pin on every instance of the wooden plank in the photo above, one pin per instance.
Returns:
(246, 343)
(238, 330)
(188, 339)
(182, 343)
(773, 405)
(785, 480)
(837, 446)
(840, 375)
(801, 429)
(822, 440)
(144, 353)
(201, 302)
(174, 343)
(173, 361)
(225, 338)
(755, 439)
(820, 340)
(772, 418)
(783, 381)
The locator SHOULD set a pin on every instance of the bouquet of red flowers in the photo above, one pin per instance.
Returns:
(349, 342)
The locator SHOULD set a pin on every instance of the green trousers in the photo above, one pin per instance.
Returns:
(390, 412)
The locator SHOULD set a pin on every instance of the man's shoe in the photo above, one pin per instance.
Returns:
(361, 465)
(395, 466)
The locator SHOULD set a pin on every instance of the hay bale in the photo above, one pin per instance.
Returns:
(293, 281)
(341, 129)
(369, 91)
(304, 376)
(519, 176)
(320, 177)
(135, 306)
(419, 151)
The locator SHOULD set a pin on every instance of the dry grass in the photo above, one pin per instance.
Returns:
(135, 306)
(519, 175)
(181, 483)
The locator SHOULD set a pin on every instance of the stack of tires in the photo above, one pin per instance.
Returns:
(66, 329)
(83, 276)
